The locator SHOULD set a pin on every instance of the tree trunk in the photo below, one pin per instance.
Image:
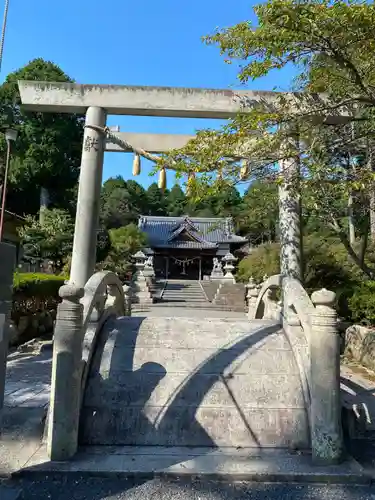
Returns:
(359, 260)
(371, 167)
(351, 220)
(44, 201)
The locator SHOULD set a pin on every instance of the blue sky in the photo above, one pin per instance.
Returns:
(143, 42)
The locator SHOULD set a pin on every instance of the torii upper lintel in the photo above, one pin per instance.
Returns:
(168, 101)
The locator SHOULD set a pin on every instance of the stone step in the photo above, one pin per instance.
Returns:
(169, 381)
(185, 298)
(183, 285)
(207, 464)
(186, 305)
(183, 290)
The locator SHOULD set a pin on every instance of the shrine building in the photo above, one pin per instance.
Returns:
(184, 247)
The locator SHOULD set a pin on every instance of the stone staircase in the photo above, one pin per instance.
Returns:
(183, 291)
(185, 382)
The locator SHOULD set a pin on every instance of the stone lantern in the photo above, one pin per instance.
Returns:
(229, 260)
(141, 293)
(140, 261)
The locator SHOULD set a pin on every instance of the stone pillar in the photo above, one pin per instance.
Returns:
(229, 259)
(326, 429)
(64, 410)
(290, 211)
(127, 299)
(252, 297)
(87, 216)
(8, 263)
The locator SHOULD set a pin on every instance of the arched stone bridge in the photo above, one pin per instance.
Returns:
(185, 382)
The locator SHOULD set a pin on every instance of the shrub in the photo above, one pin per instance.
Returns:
(326, 264)
(34, 292)
(263, 259)
(37, 283)
(361, 303)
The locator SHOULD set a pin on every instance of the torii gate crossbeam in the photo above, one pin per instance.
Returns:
(97, 101)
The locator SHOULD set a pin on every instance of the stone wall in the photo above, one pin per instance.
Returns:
(210, 288)
(360, 345)
(29, 326)
(232, 296)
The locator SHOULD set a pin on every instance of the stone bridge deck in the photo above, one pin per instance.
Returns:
(182, 381)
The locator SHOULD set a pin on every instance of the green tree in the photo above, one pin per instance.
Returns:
(226, 202)
(176, 201)
(47, 153)
(259, 214)
(331, 47)
(122, 202)
(52, 240)
(117, 210)
(138, 196)
(156, 200)
(125, 242)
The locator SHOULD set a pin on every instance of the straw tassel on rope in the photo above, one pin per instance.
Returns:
(245, 169)
(191, 177)
(162, 179)
(136, 164)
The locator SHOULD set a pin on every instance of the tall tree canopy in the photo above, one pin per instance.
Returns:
(47, 153)
(330, 46)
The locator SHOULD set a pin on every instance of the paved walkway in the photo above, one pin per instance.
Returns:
(70, 488)
(27, 390)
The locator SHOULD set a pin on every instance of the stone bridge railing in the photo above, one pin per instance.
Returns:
(80, 317)
(310, 325)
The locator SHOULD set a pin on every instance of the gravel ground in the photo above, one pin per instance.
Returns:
(109, 489)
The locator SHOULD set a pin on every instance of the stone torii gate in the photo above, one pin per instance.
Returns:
(97, 101)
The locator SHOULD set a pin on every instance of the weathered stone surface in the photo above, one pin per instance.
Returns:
(187, 332)
(231, 295)
(180, 381)
(210, 288)
(205, 360)
(178, 426)
(360, 345)
(273, 391)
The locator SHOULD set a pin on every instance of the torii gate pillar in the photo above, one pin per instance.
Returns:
(290, 211)
(88, 204)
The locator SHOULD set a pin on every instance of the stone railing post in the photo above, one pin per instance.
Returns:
(65, 399)
(128, 300)
(326, 430)
(251, 297)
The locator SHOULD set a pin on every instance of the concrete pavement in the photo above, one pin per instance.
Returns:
(160, 489)
(27, 390)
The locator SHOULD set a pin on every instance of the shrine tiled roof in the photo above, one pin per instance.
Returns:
(188, 232)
